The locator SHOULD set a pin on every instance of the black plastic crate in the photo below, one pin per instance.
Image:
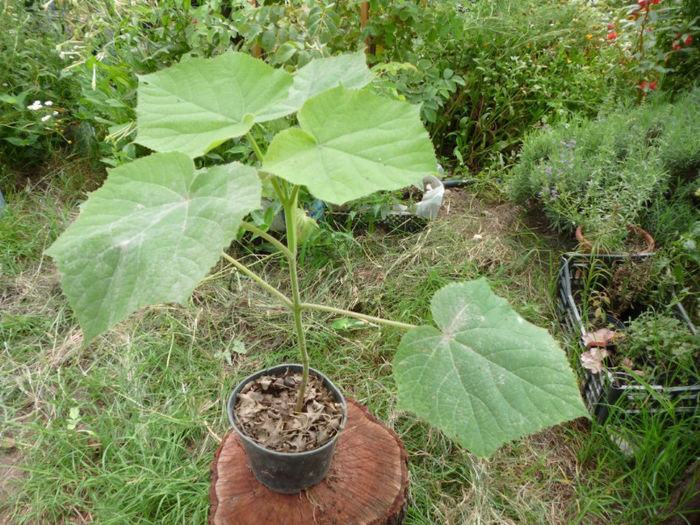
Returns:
(606, 388)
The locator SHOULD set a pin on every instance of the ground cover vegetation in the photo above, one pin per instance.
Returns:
(124, 429)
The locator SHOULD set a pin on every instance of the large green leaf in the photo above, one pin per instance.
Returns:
(486, 376)
(349, 70)
(350, 144)
(197, 104)
(149, 235)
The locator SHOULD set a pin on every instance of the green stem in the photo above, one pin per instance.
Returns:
(269, 238)
(289, 211)
(274, 291)
(256, 148)
(348, 313)
(280, 190)
(289, 203)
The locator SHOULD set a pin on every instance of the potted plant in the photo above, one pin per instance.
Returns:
(639, 241)
(596, 178)
(158, 225)
(660, 348)
(646, 362)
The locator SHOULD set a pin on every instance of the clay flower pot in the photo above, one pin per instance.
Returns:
(587, 246)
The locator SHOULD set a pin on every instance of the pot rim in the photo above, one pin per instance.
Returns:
(231, 403)
(648, 239)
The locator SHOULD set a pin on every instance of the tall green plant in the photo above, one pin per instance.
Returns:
(486, 72)
(37, 95)
(603, 174)
(153, 231)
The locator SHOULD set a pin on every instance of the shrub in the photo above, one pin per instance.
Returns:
(661, 345)
(602, 174)
(116, 44)
(656, 42)
(487, 72)
(679, 146)
(36, 95)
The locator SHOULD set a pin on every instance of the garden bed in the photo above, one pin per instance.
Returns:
(609, 387)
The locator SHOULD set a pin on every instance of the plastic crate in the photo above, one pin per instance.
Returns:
(607, 388)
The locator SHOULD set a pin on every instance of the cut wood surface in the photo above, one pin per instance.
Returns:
(367, 483)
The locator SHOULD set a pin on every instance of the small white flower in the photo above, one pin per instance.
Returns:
(48, 103)
(35, 105)
(477, 237)
(55, 113)
(45, 118)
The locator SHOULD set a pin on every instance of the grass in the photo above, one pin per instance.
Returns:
(124, 430)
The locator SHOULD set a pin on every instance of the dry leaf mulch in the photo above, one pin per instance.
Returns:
(265, 412)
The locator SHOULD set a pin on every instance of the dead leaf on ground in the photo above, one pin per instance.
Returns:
(593, 359)
(601, 337)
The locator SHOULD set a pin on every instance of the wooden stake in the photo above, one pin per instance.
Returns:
(364, 14)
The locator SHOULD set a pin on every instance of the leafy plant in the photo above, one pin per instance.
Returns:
(158, 225)
(681, 261)
(602, 174)
(632, 282)
(662, 347)
(36, 94)
(655, 44)
(487, 72)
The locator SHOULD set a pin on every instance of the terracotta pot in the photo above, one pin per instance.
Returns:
(587, 246)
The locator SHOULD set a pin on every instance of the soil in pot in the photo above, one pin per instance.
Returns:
(265, 412)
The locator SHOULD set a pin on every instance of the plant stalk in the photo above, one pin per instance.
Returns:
(296, 307)
(289, 203)
(274, 291)
(363, 317)
(254, 144)
(269, 238)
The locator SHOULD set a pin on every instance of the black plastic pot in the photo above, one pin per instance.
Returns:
(284, 472)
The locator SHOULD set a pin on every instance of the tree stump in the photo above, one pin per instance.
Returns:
(367, 482)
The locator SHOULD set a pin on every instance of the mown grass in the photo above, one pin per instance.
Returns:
(124, 430)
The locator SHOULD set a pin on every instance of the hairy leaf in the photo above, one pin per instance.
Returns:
(149, 235)
(486, 376)
(350, 144)
(197, 104)
(349, 70)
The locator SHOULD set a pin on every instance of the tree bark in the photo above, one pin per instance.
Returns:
(367, 483)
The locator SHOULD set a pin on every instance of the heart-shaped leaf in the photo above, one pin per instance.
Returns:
(149, 235)
(350, 144)
(486, 376)
(197, 104)
(349, 70)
